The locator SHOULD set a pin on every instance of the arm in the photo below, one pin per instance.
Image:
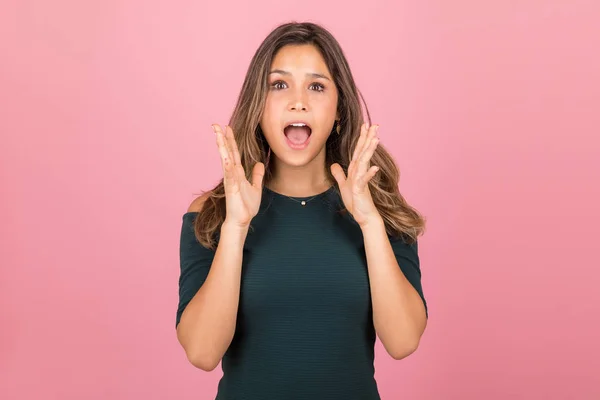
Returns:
(399, 312)
(208, 322)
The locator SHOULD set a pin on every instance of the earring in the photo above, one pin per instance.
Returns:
(338, 127)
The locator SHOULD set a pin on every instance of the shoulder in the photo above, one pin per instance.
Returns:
(198, 203)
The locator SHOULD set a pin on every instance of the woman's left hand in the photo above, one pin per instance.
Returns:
(354, 188)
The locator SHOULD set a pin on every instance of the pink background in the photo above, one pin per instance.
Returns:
(492, 109)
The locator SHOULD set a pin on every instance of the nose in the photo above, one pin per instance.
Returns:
(298, 106)
(298, 101)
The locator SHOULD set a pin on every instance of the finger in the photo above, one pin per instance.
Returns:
(338, 174)
(361, 140)
(232, 145)
(371, 173)
(359, 148)
(365, 157)
(225, 148)
(363, 181)
(258, 172)
(225, 160)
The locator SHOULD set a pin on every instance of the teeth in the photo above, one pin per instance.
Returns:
(298, 125)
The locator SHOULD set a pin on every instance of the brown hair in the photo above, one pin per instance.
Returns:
(400, 218)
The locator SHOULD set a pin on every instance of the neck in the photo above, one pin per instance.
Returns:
(300, 181)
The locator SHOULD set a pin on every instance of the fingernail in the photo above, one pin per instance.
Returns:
(213, 128)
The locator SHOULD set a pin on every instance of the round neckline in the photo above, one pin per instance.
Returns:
(300, 198)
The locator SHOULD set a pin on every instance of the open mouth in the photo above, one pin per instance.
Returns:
(297, 134)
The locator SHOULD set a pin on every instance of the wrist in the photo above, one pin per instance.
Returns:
(234, 227)
(374, 223)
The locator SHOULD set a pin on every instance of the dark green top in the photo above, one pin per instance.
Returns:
(304, 326)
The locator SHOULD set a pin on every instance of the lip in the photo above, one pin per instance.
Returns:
(298, 121)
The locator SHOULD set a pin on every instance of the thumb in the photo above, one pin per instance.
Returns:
(258, 172)
(338, 173)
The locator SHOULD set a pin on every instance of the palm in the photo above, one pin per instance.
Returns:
(357, 200)
(242, 196)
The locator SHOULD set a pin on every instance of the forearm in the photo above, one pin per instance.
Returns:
(208, 323)
(398, 311)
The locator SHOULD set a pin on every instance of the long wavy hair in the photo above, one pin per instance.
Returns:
(400, 218)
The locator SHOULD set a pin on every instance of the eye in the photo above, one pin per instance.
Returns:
(279, 85)
(276, 85)
(319, 86)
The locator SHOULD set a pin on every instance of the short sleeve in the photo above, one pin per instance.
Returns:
(407, 255)
(194, 261)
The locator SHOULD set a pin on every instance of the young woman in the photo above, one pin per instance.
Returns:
(306, 251)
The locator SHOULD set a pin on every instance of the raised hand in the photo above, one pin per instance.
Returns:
(354, 188)
(242, 197)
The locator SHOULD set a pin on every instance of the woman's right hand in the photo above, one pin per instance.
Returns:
(242, 197)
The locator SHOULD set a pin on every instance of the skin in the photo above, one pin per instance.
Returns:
(301, 87)
(208, 322)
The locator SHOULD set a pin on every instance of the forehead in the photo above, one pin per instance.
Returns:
(300, 58)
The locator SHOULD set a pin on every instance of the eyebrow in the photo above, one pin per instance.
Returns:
(311, 74)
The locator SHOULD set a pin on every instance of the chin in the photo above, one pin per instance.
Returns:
(298, 158)
(294, 160)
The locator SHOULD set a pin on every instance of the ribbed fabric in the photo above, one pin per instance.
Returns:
(304, 326)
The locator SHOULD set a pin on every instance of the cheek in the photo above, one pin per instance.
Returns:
(333, 104)
(325, 110)
(271, 109)
(271, 117)
(327, 103)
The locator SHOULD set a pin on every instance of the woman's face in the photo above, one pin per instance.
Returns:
(301, 91)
